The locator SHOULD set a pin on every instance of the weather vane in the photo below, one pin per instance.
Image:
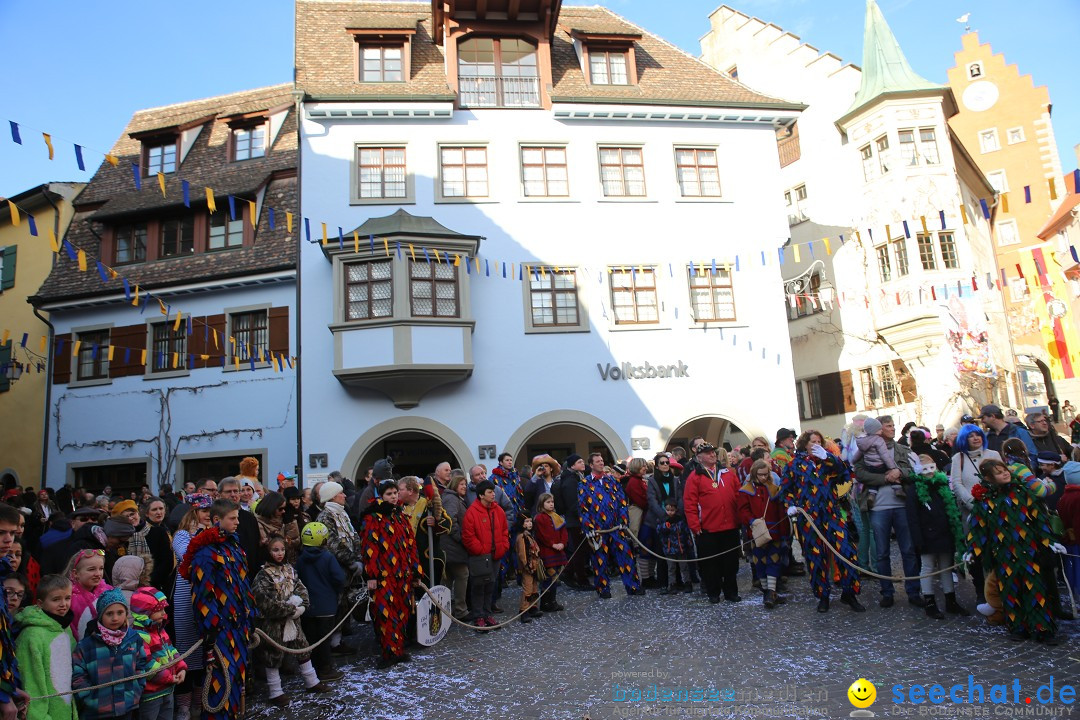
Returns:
(963, 20)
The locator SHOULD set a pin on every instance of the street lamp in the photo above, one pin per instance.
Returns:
(14, 371)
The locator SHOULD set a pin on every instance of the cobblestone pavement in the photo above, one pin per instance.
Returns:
(791, 662)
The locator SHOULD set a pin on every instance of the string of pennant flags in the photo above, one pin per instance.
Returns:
(138, 297)
(243, 356)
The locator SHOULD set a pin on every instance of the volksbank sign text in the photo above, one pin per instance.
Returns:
(626, 371)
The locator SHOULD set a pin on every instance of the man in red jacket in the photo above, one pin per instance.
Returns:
(486, 538)
(711, 512)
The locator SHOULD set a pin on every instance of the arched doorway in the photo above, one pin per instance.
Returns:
(715, 429)
(413, 453)
(560, 433)
(416, 444)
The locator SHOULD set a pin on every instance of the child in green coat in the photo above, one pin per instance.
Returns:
(44, 647)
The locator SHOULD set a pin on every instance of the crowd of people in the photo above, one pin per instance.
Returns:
(161, 607)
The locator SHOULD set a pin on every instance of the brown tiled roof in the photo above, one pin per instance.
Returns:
(325, 62)
(111, 195)
(383, 21)
(595, 25)
(666, 74)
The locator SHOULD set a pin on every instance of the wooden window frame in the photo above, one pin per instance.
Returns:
(715, 282)
(246, 234)
(950, 258)
(101, 364)
(547, 278)
(465, 165)
(813, 399)
(382, 167)
(383, 38)
(179, 336)
(499, 75)
(900, 255)
(146, 244)
(161, 240)
(249, 345)
(248, 127)
(884, 258)
(634, 288)
(382, 47)
(434, 283)
(607, 53)
(927, 255)
(544, 165)
(149, 144)
(697, 166)
(622, 166)
(347, 314)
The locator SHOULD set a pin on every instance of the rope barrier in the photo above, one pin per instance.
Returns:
(215, 656)
(854, 566)
(263, 637)
(148, 673)
(300, 651)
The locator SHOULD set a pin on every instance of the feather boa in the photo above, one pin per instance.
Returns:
(206, 537)
(940, 484)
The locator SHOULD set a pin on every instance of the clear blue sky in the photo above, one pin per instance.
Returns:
(79, 69)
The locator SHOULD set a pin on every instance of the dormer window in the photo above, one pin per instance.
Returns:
(498, 72)
(381, 63)
(608, 58)
(159, 156)
(249, 142)
(383, 54)
(608, 67)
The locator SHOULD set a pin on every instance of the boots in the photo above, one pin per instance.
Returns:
(770, 599)
(952, 607)
(931, 608)
(549, 603)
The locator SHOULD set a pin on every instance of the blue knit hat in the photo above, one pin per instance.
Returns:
(112, 596)
(1071, 472)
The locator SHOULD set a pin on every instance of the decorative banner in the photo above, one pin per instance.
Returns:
(968, 336)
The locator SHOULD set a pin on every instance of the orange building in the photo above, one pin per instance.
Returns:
(1004, 121)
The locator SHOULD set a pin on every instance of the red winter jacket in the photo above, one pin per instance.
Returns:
(485, 530)
(1068, 508)
(754, 502)
(710, 509)
(637, 492)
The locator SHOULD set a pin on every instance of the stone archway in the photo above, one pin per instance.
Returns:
(406, 429)
(715, 428)
(581, 429)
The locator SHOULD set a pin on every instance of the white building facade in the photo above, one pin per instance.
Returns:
(544, 232)
(892, 288)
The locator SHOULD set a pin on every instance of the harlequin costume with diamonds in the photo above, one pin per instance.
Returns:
(1010, 533)
(811, 485)
(388, 552)
(216, 566)
(603, 506)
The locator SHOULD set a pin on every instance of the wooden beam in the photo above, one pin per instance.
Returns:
(512, 11)
(481, 9)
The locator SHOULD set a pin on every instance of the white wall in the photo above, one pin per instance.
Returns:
(211, 410)
(520, 376)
